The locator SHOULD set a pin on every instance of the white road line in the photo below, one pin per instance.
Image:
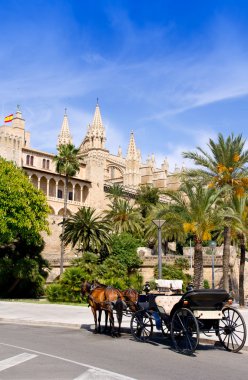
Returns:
(70, 361)
(15, 360)
(93, 374)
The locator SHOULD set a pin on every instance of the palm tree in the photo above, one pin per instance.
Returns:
(239, 207)
(223, 167)
(147, 197)
(87, 230)
(193, 211)
(67, 164)
(115, 192)
(169, 232)
(124, 217)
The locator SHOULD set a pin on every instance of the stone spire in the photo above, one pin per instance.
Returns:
(65, 136)
(132, 176)
(96, 132)
(119, 154)
(97, 119)
(132, 153)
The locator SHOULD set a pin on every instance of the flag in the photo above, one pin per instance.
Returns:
(9, 118)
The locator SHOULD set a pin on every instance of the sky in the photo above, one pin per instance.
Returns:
(175, 72)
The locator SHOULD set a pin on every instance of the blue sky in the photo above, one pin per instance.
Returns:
(173, 71)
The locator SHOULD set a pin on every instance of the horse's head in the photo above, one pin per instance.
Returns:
(85, 288)
(131, 298)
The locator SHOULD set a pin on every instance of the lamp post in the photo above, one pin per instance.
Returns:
(159, 223)
(191, 258)
(212, 245)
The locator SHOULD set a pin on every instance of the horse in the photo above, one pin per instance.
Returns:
(102, 297)
(131, 298)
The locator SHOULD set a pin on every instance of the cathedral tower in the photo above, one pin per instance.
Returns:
(65, 135)
(132, 175)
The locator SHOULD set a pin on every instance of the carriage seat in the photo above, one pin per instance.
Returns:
(166, 303)
(169, 286)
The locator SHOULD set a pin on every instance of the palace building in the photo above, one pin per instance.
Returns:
(99, 170)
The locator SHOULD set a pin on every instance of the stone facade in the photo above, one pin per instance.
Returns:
(99, 170)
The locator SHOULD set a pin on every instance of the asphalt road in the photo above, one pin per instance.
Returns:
(42, 353)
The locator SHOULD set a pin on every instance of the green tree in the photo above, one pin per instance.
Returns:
(23, 208)
(124, 249)
(68, 164)
(147, 197)
(169, 232)
(87, 231)
(124, 217)
(224, 166)
(115, 192)
(193, 211)
(23, 216)
(23, 270)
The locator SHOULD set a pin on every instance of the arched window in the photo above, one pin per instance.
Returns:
(85, 193)
(32, 160)
(52, 188)
(48, 164)
(43, 185)
(60, 189)
(34, 180)
(44, 163)
(27, 159)
(77, 193)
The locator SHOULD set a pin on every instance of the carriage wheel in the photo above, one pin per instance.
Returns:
(184, 331)
(164, 328)
(232, 330)
(141, 326)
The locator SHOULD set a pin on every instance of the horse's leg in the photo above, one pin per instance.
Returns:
(111, 322)
(106, 321)
(95, 318)
(119, 313)
(99, 320)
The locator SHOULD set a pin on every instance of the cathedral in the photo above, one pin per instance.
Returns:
(98, 171)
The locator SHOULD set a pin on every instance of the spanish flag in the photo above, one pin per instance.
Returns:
(9, 118)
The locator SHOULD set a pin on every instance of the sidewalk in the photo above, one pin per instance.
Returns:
(66, 316)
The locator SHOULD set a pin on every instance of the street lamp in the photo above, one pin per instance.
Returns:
(212, 245)
(159, 223)
(191, 258)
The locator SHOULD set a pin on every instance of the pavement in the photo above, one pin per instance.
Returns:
(76, 317)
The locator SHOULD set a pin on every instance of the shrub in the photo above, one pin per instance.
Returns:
(182, 263)
(68, 288)
(206, 284)
(136, 281)
(54, 293)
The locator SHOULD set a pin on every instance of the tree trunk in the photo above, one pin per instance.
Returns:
(14, 285)
(198, 265)
(226, 257)
(62, 247)
(166, 247)
(242, 271)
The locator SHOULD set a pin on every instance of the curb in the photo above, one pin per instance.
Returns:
(40, 323)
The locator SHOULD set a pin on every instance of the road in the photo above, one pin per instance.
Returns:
(58, 353)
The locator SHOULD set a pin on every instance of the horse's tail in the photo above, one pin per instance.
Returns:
(120, 305)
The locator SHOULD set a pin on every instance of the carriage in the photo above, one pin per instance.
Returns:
(184, 316)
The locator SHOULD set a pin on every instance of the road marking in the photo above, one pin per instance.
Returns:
(15, 360)
(110, 373)
(93, 374)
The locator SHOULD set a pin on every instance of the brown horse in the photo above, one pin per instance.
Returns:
(107, 298)
(131, 298)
